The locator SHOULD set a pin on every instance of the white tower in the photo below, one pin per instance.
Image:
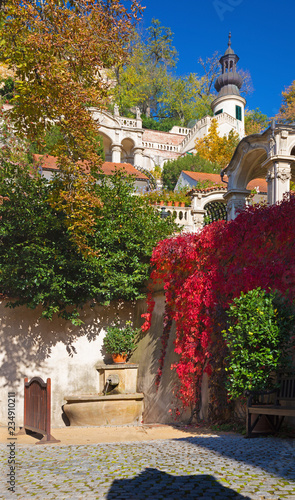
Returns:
(228, 86)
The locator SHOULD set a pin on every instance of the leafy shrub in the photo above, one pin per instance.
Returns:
(258, 340)
(39, 262)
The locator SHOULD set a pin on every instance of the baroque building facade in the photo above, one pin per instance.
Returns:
(125, 141)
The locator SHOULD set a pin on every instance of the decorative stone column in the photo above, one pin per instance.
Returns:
(198, 219)
(137, 153)
(116, 153)
(198, 213)
(235, 200)
(278, 177)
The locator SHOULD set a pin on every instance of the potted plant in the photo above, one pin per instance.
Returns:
(120, 341)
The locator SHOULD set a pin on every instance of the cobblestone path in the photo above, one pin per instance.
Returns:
(202, 467)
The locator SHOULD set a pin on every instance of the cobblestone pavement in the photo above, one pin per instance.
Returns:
(202, 467)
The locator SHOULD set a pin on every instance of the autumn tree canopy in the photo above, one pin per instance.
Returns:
(58, 51)
(215, 148)
(255, 121)
(148, 80)
(287, 111)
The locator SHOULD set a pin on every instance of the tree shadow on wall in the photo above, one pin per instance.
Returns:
(156, 485)
(26, 341)
(159, 398)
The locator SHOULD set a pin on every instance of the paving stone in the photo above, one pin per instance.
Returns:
(205, 467)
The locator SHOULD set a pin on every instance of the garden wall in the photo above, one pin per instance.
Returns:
(68, 355)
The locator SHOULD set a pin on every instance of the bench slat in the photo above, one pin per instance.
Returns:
(272, 410)
(285, 394)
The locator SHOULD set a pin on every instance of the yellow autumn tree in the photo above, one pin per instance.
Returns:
(215, 148)
(287, 110)
(58, 50)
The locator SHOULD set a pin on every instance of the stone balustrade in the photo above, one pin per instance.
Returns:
(161, 147)
(183, 216)
(221, 118)
(128, 122)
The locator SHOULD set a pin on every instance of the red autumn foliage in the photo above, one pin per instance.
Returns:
(203, 273)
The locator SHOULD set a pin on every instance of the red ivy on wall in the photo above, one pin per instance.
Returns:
(203, 272)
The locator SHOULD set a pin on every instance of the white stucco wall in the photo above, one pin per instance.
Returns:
(68, 355)
(228, 105)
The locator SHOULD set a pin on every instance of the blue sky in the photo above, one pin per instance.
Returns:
(262, 36)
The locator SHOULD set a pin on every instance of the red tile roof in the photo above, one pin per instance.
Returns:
(201, 176)
(109, 167)
(261, 183)
(48, 162)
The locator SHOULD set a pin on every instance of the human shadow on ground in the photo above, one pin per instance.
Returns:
(154, 484)
(273, 455)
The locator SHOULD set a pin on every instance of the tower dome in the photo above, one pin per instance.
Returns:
(228, 85)
(229, 82)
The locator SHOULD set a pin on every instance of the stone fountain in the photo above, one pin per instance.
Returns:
(117, 402)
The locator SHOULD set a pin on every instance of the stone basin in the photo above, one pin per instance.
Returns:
(97, 409)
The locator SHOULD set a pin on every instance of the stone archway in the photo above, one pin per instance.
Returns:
(258, 155)
(107, 146)
(208, 205)
(127, 156)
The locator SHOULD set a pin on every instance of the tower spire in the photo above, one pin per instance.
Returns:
(229, 82)
(229, 100)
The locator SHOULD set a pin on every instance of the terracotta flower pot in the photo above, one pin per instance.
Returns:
(176, 203)
(182, 204)
(119, 358)
(169, 204)
(161, 202)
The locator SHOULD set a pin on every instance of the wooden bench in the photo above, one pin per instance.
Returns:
(275, 404)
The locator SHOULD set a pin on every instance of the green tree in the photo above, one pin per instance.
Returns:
(183, 99)
(159, 44)
(163, 124)
(7, 88)
(194, 163)
(41, 265)
(140, 82)
(255, 121)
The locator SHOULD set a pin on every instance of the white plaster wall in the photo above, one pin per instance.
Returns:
(31, 347)
(184, 181)
(228, 105)
(68, 355)
(147, 163)
(225, 128)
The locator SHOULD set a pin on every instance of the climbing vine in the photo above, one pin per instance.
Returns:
(202, 273)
